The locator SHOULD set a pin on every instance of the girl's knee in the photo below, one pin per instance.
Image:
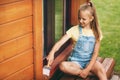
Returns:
(62, 66)
(101, 70)
(102, 73)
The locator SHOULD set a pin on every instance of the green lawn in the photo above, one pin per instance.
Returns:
(108, 13)
(58, 19)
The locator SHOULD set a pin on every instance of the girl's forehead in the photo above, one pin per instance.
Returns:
(85, 13)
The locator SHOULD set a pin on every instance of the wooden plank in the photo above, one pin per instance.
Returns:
(24, 74)
(108, 64)
(72, 77)
(38, 38)
(15, 29)
(100, 59)
(15, 10)
(14, 47)
(115, 77)
(62, 57)
(16, 63)
(75, 4)
(73, 12)
(68, 77)
(7, 1)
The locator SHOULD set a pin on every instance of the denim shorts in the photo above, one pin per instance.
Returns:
(82, 64)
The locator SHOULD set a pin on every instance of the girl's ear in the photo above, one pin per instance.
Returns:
(91, 18)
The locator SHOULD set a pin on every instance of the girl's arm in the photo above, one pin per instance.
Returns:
(94, 56)
(56, 47)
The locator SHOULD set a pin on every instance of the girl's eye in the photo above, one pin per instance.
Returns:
(84, 19)
(79, 18)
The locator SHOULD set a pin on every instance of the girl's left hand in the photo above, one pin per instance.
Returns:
(84, 73)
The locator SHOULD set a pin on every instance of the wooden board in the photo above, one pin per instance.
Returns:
(115, 77)
(24, 74)
(38, 38)
(18, 20)
(15, 29)
(16, 10)
(63, 56)
(108, 64)
(7, 1)
(15, 46)
(75, 4)
(16, 63)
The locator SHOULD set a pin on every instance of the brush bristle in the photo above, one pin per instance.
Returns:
(46, 70)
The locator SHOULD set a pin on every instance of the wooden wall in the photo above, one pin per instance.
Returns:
(21, 38)
(75, 4)
(38, 38)
(16, 40)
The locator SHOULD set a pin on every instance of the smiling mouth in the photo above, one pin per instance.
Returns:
(81, 24)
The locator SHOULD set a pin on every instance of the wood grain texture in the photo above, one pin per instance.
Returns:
(75, 4)
(7, 1)
(16, 40)
(16, 10)
(24, 74)
(108, 64)
(62, 57)
(38, 38)
(15, 29)
(16, 63)
(15, 46)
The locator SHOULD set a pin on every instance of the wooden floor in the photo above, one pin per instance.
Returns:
(114, 77)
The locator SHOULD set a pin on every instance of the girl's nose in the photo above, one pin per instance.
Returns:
(81, 20)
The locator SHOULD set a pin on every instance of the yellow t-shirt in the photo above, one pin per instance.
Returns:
(73, 32)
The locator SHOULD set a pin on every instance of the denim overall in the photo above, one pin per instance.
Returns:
(83, 50)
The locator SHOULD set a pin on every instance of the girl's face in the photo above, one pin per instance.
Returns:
(85, 18)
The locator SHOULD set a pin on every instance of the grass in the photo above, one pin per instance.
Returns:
(108, 14)
(58, 19)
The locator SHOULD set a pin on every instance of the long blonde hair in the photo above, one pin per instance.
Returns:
(94, 23)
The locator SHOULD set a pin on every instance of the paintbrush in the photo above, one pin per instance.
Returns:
(46, 70)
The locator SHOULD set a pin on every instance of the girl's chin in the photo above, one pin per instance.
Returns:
(82, 25)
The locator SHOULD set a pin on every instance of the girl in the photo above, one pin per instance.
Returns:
(86, 37)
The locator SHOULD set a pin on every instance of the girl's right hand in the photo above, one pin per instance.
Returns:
(50, 59)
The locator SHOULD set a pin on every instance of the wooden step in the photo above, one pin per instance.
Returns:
(115, 77)
(108, 64)
(55, 73)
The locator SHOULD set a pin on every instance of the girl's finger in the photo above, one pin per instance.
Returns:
(49, 62)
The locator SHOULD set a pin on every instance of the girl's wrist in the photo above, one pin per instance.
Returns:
(87, 69)
(52, 53)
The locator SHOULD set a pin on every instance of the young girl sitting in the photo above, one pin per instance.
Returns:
(86, 37)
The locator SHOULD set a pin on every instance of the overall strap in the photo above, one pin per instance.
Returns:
(80, 29)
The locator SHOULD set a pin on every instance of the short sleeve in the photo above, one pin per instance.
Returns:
(70, 32)
(101, 35)
(73, 32)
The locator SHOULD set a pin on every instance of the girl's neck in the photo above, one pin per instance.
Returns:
(87, 27)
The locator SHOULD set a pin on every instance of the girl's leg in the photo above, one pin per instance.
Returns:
(99, 71)
(70, 68)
